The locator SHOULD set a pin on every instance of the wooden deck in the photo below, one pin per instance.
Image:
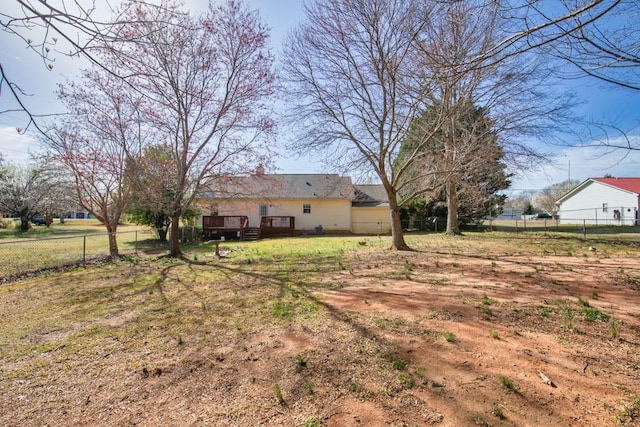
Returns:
(272, 226)
(214, 227)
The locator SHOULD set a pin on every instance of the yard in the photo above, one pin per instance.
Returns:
(486, 329)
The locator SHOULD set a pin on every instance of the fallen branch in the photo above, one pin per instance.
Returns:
(546, 379)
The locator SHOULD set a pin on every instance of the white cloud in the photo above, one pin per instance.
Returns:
(16, 147)
(580, 163)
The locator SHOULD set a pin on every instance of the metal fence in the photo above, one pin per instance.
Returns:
(583, 227)
(25, 255)
(602, 215)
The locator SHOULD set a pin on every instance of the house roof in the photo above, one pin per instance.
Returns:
(370, 195)
(631, 185)
(282, 186)
(628, 184)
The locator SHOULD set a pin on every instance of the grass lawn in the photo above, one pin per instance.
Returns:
(70, 243)
(484, 329)
(57, 229)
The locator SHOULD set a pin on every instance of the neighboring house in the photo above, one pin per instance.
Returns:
(262, 205)
(613, 201)
(510, 212)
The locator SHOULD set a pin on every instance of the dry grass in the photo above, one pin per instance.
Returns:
(324, 331)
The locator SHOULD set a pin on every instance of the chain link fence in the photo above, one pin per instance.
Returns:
(605, 215)
(582, 227)
(23, 256)
(613, 228)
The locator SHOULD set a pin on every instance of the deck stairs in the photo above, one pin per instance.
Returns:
(251, 234)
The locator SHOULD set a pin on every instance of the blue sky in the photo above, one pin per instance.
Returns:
(600, 102)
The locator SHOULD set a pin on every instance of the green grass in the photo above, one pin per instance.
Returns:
(507, 384)
(314, 421)
(629, 413)
(278, 393)
(449, 336)
(594, 314)
(75, 241)
(399, 364)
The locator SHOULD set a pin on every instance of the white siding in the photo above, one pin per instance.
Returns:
(596, 203)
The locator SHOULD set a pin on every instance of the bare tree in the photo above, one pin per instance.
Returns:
(462, 162)
(599, 38)
(206, 82)
(26, 189)
(351, 87)
(546, 199)
(482, 107)
(361, 72)
(51, 30)
(94, 141)
(534, 24)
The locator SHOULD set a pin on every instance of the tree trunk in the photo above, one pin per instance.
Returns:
(162, 228)
(162, 234)
(397, 235)
(453, 227)
(174, 238)
(112, 229)
(24, 223)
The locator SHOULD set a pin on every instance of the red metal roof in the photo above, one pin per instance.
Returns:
(629, 184)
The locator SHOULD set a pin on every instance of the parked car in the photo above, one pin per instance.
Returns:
(38, 220)
(543, 215)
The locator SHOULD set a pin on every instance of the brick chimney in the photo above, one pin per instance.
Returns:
(260, 169)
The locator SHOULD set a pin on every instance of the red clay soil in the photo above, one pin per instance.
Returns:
(409, 340)
(523, 353)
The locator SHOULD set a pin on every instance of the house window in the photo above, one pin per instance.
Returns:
(263, 210)
(605, 207)
(306, 208)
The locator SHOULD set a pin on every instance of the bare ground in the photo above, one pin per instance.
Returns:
(447, 336)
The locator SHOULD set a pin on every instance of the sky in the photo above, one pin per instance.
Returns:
(599, 102)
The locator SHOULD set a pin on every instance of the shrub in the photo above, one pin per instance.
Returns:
(6, 224)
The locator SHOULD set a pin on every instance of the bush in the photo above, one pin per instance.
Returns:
(190, 234)
(6, 224)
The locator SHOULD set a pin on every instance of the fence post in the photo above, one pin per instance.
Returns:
(135, 244)
(584, 228)
(84, 251)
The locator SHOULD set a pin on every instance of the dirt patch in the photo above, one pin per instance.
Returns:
(513, 320)
(447, 337)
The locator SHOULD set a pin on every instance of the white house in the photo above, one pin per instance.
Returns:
(601, 201)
